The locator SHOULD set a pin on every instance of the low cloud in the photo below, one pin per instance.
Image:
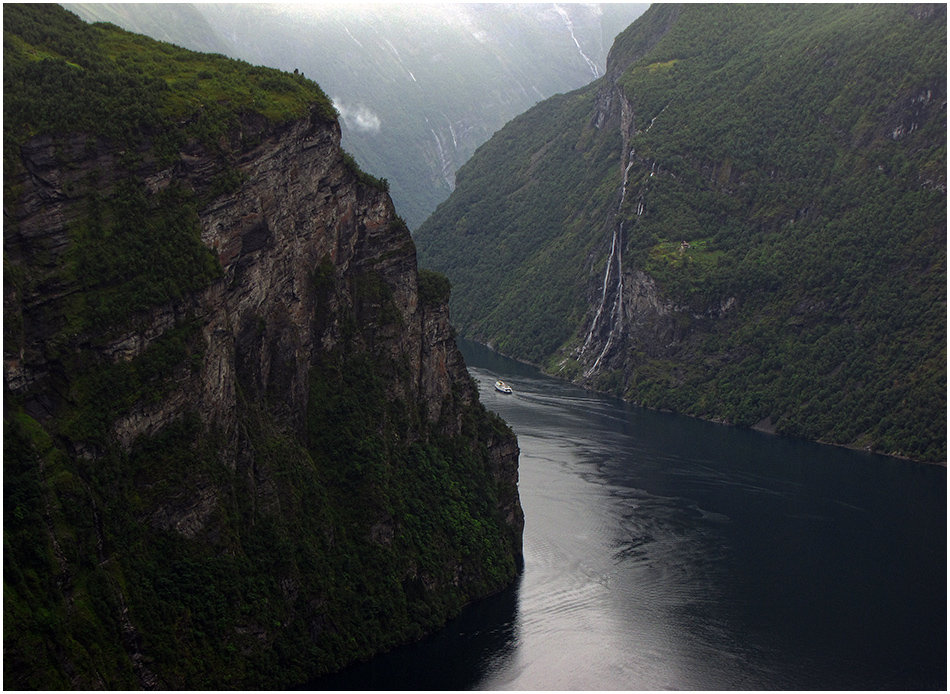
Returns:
(358, 118)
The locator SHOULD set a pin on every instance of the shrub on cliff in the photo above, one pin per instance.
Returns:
(434, 287)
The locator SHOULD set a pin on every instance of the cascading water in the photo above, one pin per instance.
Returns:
(570, 27)
(613, 288)
(616, 311)
(446, 162)
(603, 298)
(655, 117)
(455, 142)
(615, 257)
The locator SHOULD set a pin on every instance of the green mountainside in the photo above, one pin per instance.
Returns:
(418, 86)
(744, 220)
(240, 447)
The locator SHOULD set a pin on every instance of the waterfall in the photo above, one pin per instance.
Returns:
(616, 311)
(603, 298)
(656, 116)
(615, 250)
(446, 162)
(615, 257)
(626, 174)
(351, 36)
(570, 28)
(396, 53)
(455, 142)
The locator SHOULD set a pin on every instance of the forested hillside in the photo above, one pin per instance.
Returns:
(744, 220)
(418, 86)
(240, 447)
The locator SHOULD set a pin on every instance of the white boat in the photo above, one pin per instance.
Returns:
(502, 387)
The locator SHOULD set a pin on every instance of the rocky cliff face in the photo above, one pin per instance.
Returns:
(317, 272)
(298, 206)
(627, 49)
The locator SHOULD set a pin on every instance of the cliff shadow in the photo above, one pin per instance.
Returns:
(482, 639)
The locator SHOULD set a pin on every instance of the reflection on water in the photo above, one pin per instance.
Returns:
(664, 552)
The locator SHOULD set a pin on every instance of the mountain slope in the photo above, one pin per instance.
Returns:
(240, 446)
(745, 220)
(418, 87)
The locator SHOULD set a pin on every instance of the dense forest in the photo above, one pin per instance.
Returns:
(774, 191)
(205, 488)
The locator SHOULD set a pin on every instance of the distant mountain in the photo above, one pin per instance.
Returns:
(418, 86)
(178, 23)
(743, 220)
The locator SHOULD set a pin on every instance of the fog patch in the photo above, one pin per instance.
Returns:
(358, 118)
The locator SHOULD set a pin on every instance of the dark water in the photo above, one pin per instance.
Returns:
(663, 552)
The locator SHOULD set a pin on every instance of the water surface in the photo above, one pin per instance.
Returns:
(663, 552)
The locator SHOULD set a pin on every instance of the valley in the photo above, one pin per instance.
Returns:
(267, 267)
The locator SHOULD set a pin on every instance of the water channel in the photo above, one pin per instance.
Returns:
(663, 552)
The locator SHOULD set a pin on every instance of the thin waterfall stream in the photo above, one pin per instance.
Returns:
(616, 251)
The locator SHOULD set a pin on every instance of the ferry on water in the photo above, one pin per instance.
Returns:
(502, 387)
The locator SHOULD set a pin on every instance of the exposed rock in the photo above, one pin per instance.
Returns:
(621, 56)
(189, 513)
(298, 205)
(501, 451)
(257, 332)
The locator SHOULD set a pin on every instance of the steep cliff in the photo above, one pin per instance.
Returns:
(241, 447)
(743, 220)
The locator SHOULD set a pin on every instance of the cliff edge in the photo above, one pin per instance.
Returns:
(239, 449)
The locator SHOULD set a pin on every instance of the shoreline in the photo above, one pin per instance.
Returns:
(760, 427)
